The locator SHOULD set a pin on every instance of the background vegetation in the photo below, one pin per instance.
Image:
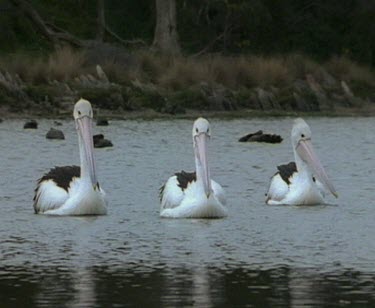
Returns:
(229, 50)
(317, 28)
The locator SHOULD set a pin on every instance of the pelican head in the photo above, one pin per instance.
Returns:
(300, 131)
(201, 134)
(83, 117)
(82, 109)
(301, 140)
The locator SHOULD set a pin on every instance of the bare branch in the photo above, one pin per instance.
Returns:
(44, 28)
(209, 45)
(126, 42)
(212, 42)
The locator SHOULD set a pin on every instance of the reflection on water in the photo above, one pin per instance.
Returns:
(259, 255)
(181, 287)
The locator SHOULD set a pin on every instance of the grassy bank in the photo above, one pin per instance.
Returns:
(143, 81)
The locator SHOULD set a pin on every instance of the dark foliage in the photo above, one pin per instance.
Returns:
(316, 28)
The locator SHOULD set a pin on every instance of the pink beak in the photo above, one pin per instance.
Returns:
(201, 151)
(84, 126)
(306, 152)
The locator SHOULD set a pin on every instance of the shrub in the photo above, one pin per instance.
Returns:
(64, 64)
(345, 69)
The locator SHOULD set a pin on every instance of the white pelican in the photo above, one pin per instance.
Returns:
(194, 195)
(73, 190)
(302, 182)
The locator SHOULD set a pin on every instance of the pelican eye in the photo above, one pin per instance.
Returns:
(302, 135)
(196, 130)
(79, 112)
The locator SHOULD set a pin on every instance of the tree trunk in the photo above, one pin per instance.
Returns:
(100, 22)
(166, 37)
(51, 32)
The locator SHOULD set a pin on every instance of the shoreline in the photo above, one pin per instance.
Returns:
(246, 87)
(149, 114)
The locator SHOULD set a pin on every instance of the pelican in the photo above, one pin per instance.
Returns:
(73, 190)
(194, 195)
(302, 181)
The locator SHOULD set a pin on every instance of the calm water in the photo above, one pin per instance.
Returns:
(259, 256)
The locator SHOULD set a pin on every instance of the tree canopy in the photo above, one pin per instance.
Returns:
(314, 27)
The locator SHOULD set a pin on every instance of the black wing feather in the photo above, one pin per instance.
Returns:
(185, 178)
(286, 171)
(161, 191)
(62, 176)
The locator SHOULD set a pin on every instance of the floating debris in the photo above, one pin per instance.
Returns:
(260, 137)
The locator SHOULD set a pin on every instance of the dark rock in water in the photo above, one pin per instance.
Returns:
(260, 137)
(31, 124)
(1, 120)
(97, 137)
(55, 134)
(103, 143)
(102, 122)
(57, 123)
(100, 142)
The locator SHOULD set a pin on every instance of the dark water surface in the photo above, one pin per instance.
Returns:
(259, 256)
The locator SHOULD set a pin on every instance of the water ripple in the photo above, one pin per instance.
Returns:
(260, 255)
